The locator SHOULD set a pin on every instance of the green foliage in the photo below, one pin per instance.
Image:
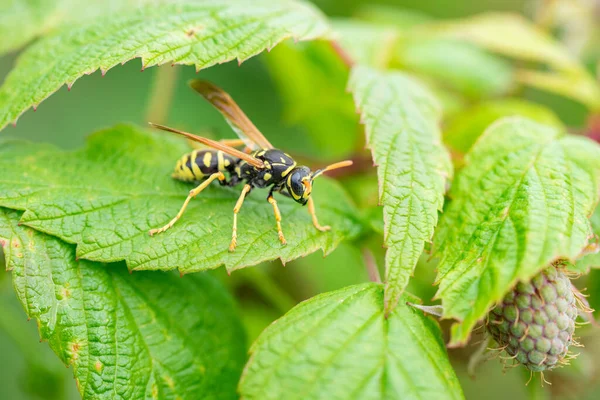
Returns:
(365, 43)
(107, 196)
(465, 127)
(521, 201)
(329, 118)
(514, 36)
(183, 32)
(24, 20)
(129, 336)
(340, 345)
(458, 65)
(401, 119)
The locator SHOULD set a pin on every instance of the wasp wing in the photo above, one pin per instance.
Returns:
(233, 114)
(255, 162)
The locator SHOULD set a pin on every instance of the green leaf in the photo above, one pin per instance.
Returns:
(459, 65)
(401, 18)
(340, 345)
(513, 36)
(182, 31)
(516, 37)
(401, 119)
(579, 87)
(521, 202)
(23, 20)
(445, 62)
(467, 126)
(366, 43)
(329, 118)
(107, 196)
(126, 336)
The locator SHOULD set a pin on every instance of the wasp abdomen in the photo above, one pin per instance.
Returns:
(200, 164)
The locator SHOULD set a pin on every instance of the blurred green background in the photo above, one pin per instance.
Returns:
(30, 371)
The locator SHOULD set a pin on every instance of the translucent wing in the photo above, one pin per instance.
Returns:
(233, 114)
(255, 162)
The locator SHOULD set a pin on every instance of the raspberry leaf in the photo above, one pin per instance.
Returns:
(199, 33)
(126, 336)
(521, 202)
(107, 196)
(401, 119)
(344, 336)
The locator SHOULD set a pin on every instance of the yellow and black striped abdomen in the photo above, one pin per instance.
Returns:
(200, 164)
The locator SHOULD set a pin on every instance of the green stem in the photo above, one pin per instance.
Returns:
(161, 94)
(269, 289)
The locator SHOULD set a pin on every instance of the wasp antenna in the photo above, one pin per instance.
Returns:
(331, 167)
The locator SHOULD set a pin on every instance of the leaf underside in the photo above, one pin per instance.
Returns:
(200, 33)
(107, 196)
(522, 201)
(145, 335)
(401, 119)
(339, 345)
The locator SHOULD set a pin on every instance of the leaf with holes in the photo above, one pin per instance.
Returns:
(127, 336)
(521, 202)
(401, 119)
(344, 336)
(107, 196)
(200, 33)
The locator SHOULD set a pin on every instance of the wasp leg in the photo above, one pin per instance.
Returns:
(273, 202)
(313, 214)
(236, 210)
(193, 193)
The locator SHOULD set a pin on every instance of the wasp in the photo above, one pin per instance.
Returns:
(259, 166)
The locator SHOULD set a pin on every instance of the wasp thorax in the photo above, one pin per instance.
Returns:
(299, 184)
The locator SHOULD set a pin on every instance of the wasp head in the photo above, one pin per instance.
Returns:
(299, 184)
(299, 181)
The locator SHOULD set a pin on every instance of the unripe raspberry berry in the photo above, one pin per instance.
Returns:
(536, 320)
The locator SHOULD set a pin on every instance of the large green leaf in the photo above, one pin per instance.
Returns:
(107, 196)
(200, 33)
(401, 119)
(340, 345)
(127, 336)
(23, 20)
(522, 201)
